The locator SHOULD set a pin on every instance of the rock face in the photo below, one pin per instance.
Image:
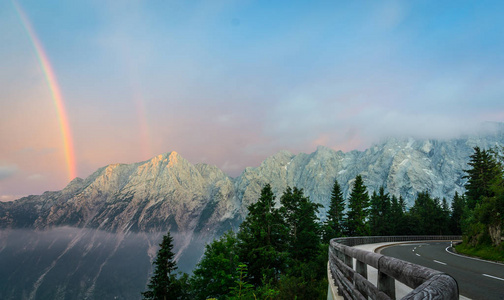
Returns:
(199, 202)
(404, 166)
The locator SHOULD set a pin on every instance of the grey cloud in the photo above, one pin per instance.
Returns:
(7, 171)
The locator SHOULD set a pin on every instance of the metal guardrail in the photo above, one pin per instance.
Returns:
(353, 284)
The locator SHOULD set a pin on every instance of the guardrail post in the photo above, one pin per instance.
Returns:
(386, 284)
(348, 260)
(361, 268)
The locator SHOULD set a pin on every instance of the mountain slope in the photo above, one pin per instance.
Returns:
(404, 166)
(166, 192)
(169, 193)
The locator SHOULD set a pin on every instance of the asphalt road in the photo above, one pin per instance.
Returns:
(476, 279)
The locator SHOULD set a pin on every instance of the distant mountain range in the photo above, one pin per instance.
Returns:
(199, 202)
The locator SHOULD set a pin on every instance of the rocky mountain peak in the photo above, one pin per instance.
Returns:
(169, 192)
(168, 159)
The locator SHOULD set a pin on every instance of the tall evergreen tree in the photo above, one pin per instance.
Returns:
(380, 213)
(457, 210)
(300, 215)
(358, 208)
(402, 203)
(427, 215)
(443, 217)
(491, 211)
(163, 285)
(333, 226)
(262, 239)
(422, 214)
(398, 226)
(484, 197)
(480, 177)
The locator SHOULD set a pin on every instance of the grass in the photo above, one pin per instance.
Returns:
(487, 252)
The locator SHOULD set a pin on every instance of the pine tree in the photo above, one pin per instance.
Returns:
(491, 209)
(422, 213)
(374, 214)
(457, 210)
(480, 177)
(358, 207)
(428, 215)
(163, 284)
(397, 217)
(484, 197)
(262, 239)
(333, 226)
(443, 216)
(300, 215)
(408, 225)
(402, 203)
(380, 213)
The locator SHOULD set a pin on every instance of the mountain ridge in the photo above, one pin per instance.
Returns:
(167, 192)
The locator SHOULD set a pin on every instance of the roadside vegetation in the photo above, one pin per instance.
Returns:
(482, 212)
(280, 251)
(485, 251)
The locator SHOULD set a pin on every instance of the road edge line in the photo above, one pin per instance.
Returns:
(470, 257)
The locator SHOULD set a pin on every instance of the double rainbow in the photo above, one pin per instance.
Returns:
(55, 92)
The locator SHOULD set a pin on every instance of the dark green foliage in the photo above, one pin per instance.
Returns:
(163, 284)
(182, 285)
(444, 217)
(484, 251)
(358, 208)
(397, 216)
(333, 226)
(262, 239)
(484, 217)
(245, 291)
(306, 280)
(277, 254)
(480, 177)
(491, 211)
(300, 215)
(292, 287)
(427, 215)
(216, 273)
(421, 214)
(380, 213)
(457, 211)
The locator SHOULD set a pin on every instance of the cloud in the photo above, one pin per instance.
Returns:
(8, 198)
(7, 171)
(35, 177)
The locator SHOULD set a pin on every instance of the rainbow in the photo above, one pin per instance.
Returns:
(55, 92)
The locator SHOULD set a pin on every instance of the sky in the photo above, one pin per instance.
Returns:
(84, 84)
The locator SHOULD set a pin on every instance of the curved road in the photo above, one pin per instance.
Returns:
(477, 279)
